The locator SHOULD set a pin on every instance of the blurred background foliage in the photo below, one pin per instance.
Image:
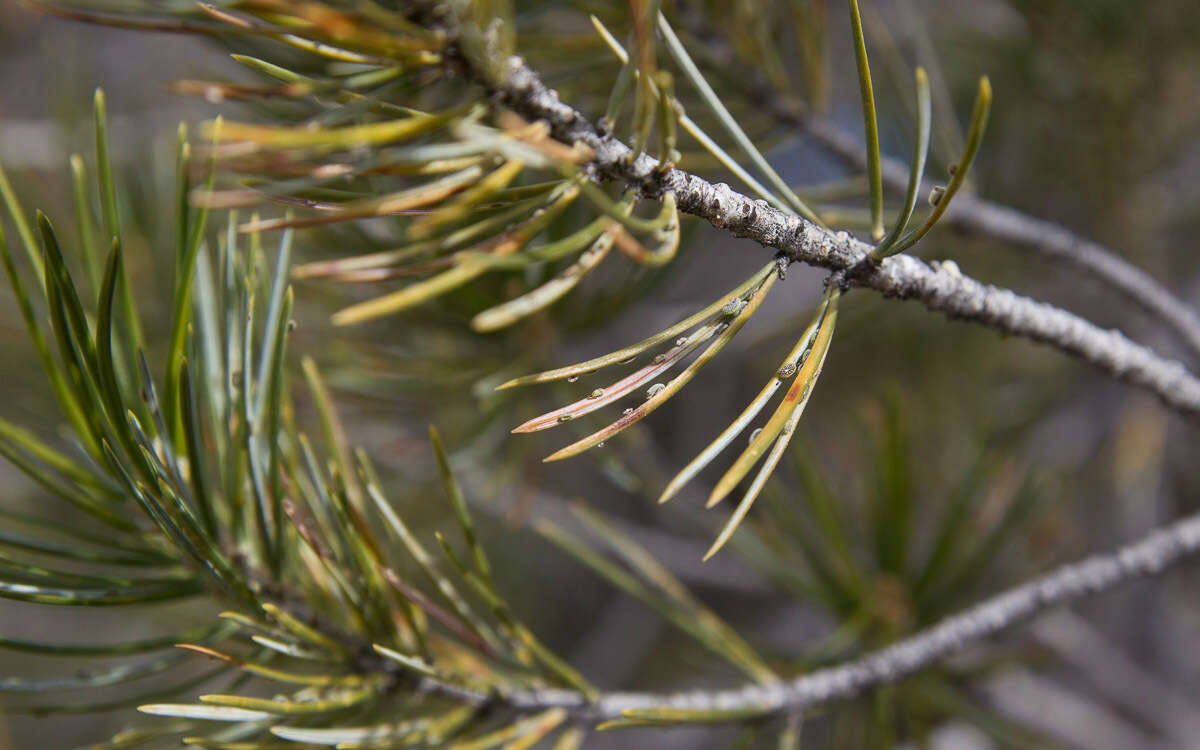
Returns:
(919, 425)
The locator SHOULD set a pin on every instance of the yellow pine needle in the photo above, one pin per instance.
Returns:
(789, 413)
(622, 355)
(543, 296)
(467, 269)
(705, 457)
(676, 383)
(801, 384)
(462, 205)
(351, 136)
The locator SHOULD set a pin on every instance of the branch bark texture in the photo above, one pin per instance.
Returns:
(978, 216)
(968, 213)
(940, 288)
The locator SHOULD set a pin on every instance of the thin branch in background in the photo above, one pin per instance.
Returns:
(1153, 555)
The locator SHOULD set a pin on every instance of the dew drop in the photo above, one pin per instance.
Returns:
(627, 412)
(627, 361)
(681, 341)
(600, 444)
(573, 379)
(565, 418)
(755, 434)
(935, 195)
(654, 390)
(596, 393)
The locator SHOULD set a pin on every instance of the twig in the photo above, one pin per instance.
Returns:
(901, 276)
(968, 213)
(518, 87)
(990, 219)
(1151, 556)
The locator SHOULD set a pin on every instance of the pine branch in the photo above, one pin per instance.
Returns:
(940, 288)
(979, 216)
(1151, 556)
(968, 213)
(513, 84)
(346, 571)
